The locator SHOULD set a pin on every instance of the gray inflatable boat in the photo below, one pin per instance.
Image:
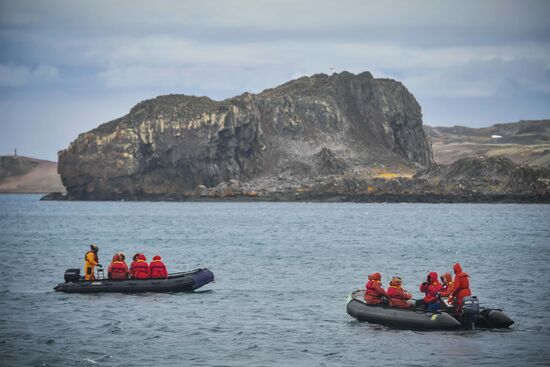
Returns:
(176, 282)
(398, 318)
(417, 319)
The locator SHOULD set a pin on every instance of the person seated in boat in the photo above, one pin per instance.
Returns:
(116, 257)
(375, 292)
(431, 288)
(157, 268)
(446, 284)
(446, 291)
(139, 269)
(91, 260)
(397, 296)
(461, 287)
(118, 270)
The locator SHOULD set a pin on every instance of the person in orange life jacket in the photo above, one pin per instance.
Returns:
(90, 262)
(446, 284)
(397, 296)
(157, 268)
(116, 257)
(431, 288)
(118, 270)
(446, 289)
(461, 287)
(374, 292)
(139, 269)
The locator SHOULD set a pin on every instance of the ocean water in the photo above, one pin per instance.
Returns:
(283, 274)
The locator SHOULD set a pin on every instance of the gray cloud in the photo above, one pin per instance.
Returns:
(17, 76)
(466, 62)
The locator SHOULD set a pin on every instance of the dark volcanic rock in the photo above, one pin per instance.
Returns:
(177, 146)
(491, 175)
(56, 196)
(329, 163)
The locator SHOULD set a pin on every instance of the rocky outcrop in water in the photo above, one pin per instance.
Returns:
(340, 137)
(171, 146)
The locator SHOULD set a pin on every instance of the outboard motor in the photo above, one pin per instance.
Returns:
(72, 275)
(470, 311)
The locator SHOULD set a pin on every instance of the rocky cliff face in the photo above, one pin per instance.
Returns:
(171, 146)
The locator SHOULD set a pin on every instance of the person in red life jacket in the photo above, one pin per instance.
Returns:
(110, 268)
(157, 268)
(374, 292)
(118, 270)
(139, 269)
(431, 288)
(397, 296)
(461, 287)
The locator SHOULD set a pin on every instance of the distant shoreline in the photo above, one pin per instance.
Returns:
(387, 198)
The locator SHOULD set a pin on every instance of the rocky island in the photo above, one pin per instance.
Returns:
(339, 137)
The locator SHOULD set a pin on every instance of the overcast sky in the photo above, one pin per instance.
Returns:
(67, 66)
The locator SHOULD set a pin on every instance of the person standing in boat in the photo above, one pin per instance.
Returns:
(431, 288)
(139, 269)
(397, 296)
(118, 270)
(157, 268)
(90, 262)
(374, 292)
(461, 286)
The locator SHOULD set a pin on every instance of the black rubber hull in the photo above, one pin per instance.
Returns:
(419, 320)
(493, 319)
(401, 318)
(180, 282)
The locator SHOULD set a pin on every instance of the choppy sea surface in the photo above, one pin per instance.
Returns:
(283, 274)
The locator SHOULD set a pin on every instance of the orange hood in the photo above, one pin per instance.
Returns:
(141, 257)
(447, 278)
(375, 276)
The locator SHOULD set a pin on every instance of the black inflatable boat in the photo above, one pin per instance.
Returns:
(176, 282)
(417, 319)
(398, 318)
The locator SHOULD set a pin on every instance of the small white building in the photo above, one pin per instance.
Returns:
(496, 136)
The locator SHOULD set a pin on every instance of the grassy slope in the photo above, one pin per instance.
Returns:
(524, 142)
(39, 177)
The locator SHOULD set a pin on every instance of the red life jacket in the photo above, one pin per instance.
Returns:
(461, 287)
(397, 297)
(139, 269)
(431, 288)
(158, 269)
(397, 292)
(374, 292)
(118, 270)
(431, 291)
